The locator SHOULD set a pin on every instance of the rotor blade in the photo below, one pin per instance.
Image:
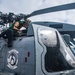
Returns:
(53, 9)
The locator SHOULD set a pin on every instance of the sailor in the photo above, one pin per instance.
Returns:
(13, 30)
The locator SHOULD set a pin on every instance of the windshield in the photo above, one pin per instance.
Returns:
(28, 6)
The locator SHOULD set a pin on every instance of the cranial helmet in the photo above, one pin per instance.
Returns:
(22, 21)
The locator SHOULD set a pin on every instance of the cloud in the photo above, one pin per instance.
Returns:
(61, 16)
(28, 6)
(17, 6)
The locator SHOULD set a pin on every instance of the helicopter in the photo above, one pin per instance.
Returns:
(47, 48)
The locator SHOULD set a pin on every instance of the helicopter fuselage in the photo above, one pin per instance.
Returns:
(42, 51)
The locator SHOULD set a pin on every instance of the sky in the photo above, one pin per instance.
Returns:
(17, 6)
(28, 6)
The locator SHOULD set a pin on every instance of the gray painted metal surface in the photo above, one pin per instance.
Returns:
(20, 58)
(29, 54)
(41, 52)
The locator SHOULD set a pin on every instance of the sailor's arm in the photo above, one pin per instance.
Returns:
(16, 26)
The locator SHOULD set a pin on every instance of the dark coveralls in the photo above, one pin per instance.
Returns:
(7, 34)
